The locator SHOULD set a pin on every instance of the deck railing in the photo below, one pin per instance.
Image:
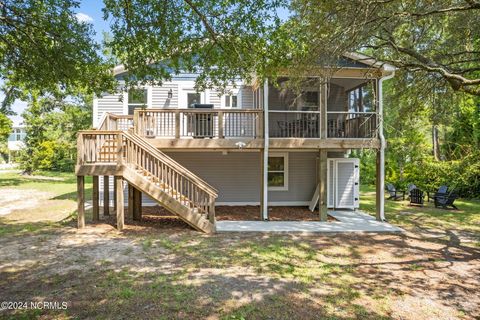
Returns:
(351, 124)
(124, 148)
(196, 123)
(111, 121)
(294, 124)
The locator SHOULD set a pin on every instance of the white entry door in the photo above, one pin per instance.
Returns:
(343, 183)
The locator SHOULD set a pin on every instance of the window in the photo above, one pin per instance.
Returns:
(137, 98)
(193, 98)
(231, 101)
(278, 172)
(19, 137)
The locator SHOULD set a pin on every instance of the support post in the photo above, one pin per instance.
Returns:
(262, 185)
(322, 185)
(81, 201)
(114, 197)
(131, 201)
(220, 124)
(137, 207)
(177, 124)
(106, 196)
(120, 209)
(95, 208)
(266, 140)
(323, 110)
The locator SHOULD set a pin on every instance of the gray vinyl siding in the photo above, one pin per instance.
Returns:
(236, 176)
(247, 97)
(302, 178)
(109, 103)
(215, 99)
(160, 96)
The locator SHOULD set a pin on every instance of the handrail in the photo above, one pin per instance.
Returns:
(108, 117)
(144, 145)
(178, 167)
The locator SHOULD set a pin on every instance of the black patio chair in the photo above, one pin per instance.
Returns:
(394, 193)
(416, 196)
(446, 200)
(442, 191)
(410, 187)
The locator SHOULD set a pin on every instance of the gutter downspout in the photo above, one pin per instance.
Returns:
(266, 141)
(383, 143)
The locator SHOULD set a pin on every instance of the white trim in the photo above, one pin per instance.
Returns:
(266, 141)
(95, 112)
(285, 171)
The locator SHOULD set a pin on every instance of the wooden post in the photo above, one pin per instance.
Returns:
(137, 207)
(81, 201)
(131, 202)
(211, 215)
(119, 149)
(323, 110)
(177, 124)
(322, 185)
(106, 196)
(220, 125)
(95, 209)
(115, 197)
(120, 209)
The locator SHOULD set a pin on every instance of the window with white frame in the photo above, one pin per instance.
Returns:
(278, 171)
(137, 98)
(231, 100)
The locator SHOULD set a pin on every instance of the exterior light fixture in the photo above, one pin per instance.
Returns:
(170, 94)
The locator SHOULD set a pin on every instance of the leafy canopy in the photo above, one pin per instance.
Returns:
(44, 48)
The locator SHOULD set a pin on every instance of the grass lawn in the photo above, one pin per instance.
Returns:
(165, 270)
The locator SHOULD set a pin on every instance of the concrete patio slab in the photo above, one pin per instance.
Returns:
(348, 221)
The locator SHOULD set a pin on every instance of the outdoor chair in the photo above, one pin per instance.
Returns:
(416, 196)
(445, 200)
(410, 187)
(442, 191)
(394, 193)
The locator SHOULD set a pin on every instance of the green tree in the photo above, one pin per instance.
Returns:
(51, 127)
(44, 48)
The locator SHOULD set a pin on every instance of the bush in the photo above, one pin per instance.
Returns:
(428, 174)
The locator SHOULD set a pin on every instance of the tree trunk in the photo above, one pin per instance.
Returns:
(435, 143)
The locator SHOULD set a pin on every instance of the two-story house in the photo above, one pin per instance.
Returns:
(261, 143)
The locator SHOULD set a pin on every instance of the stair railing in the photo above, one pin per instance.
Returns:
(124, 148)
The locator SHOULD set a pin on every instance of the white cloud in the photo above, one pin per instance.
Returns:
(82, 17)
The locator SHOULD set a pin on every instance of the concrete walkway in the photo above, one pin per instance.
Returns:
(348, 221)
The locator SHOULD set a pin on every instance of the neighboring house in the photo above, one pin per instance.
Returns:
(16, 141)
(259, 144)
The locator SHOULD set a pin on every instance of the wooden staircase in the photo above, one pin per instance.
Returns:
(150, 171)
